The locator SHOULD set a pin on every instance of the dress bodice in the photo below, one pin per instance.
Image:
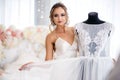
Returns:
(93, 39)
(64, 49)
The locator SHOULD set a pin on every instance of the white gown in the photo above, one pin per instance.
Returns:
(59, 69)
(93, 40)
(65, 66)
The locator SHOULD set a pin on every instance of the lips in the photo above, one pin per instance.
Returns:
(59, 21)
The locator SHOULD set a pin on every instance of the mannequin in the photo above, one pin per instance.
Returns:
(93, 19)
(93, 44)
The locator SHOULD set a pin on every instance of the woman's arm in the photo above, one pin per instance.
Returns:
(49, 53)
(49, 48)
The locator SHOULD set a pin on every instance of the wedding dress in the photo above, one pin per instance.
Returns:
(93, 40)
(65, 65)
(59, 69)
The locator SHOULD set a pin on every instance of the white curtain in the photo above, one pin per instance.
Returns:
(19, 13)
(2, 10)
(115, 40)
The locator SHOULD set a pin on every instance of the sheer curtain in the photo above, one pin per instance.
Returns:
(19, 13)
(115, 46)
(23, 13)
(2, 11)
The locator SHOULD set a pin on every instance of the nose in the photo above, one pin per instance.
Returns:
(59, 17)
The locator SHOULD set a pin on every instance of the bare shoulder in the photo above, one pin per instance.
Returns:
(71, 28)
(50, 37)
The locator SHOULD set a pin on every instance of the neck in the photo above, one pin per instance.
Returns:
(93, 19)
(60, 29)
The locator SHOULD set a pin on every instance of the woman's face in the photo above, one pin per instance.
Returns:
(59, 16)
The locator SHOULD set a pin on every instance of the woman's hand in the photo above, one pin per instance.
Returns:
(25, 66)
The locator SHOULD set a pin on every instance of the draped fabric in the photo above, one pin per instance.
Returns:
(17, 12)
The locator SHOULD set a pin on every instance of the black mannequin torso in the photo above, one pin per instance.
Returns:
(93, 19)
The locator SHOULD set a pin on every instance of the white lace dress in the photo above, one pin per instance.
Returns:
(93, 40)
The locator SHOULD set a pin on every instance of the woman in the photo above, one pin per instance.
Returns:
(61, 50)
(62, 33)
(61, 42)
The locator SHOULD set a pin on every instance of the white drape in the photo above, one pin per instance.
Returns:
(17, 12)
(115, 40)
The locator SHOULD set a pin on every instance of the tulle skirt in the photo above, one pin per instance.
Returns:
(81, 68)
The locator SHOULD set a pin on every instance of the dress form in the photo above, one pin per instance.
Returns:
(93, 42)
(93, 19)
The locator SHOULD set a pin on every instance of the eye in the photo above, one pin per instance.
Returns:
(55, 15)
(62, 14)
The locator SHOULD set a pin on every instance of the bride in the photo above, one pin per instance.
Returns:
(61, 42)
(61, 49)
(60, 45)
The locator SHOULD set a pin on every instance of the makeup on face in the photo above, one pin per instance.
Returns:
(57, 15)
